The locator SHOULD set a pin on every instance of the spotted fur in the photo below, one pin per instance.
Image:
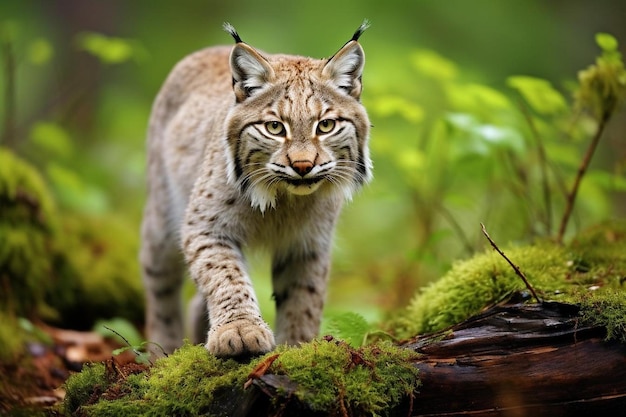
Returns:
(248, 149)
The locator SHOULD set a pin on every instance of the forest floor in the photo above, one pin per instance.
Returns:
(32, 384)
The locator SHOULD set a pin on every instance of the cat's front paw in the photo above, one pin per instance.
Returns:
(240, 337)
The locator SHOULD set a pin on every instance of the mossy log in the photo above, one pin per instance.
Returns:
(513, 359)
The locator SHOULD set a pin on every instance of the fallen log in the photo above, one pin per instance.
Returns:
(519, 360)
(514, 359)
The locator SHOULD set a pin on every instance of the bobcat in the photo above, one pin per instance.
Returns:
(248, 149)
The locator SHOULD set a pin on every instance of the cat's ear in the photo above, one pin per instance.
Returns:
(250, 70)
(345, 68)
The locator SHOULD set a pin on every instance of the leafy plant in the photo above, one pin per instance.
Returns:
(350, 327)
(602, 90)
(353, 329)
(505, 158)
(140, 349)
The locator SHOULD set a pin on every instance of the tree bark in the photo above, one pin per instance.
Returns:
(511, 360)
(521, 360)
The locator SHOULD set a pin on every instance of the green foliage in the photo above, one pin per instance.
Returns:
(77, 269)
(540, 95)
(330, 376)
(173, 385)
(28, 227)
(595, 261)
(110, 50)
(608, 310)
(432, 64)
(477, 154)
(52, 139)
(142, 354)
(120, 329)
(603, 85)
(40, 51)
(353, 329)
(98, 274)
(350, 327)
(82, 385)
(435, 179)
(183, 384)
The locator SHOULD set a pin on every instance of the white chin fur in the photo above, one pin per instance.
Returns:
(303, 189)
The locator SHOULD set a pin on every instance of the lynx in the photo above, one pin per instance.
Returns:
(247, 149)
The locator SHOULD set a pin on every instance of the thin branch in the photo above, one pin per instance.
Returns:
(118, 333)
(515, 267)
(135, 351)
(571, 197)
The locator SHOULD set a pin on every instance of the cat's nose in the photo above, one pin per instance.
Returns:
(302, 167)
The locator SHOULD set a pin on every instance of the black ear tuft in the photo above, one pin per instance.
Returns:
(231, 30)
(344, 69)
(360, 30)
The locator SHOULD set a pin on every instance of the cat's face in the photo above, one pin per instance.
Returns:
(298, 125)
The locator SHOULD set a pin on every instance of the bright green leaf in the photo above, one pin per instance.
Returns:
(109, 50)
(565, 154)
(477, 138)
(73, 192)
(501, 136)
(461, 120)
(476, 97)
(121, 326)
(351, 327)
(603, 85)
(40, 51)
(52, 139)
(121, 350)
(389, 105)
(433, 65)
(607, 180)
(539, 94)
(606, 42)
(411, 159)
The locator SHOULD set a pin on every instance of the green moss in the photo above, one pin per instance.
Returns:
(607, 309)
(82, 386)
(189, 382)
(97, 273)
(595, 261)
(366, 381)
(71, 268)
(28, 226)
(185, 383)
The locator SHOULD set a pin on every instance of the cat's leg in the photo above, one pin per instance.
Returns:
(162, 271)
(299, 278)
(217, 267)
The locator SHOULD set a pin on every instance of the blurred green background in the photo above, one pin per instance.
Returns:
(456, 141)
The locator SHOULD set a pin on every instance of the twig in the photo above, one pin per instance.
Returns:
(571, 197)
(515, 267)
(135, 351)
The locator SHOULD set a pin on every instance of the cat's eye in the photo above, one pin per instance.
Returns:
(325, 126)
(275, 128)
